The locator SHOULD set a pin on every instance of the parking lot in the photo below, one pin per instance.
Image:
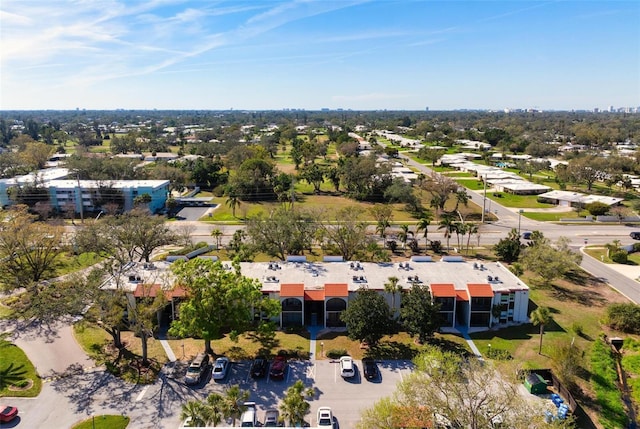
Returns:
(346, 397)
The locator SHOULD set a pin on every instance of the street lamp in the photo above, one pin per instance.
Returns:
(519, 219)
(322, 348)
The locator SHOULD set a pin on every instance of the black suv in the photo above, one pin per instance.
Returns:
(370, 369)
(259, 367)
(635, 235)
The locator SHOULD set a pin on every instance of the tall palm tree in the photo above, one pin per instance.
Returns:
(403, 235)
(393, 287)
(294, 405)
(449, 224)
(461, 197)
(233, 201)
(217, 234)
(381, 227)
(423, 225)
(541, 316)
(234, 399)
(472, 228)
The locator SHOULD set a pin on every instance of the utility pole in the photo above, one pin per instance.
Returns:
(484, 197)
(80, 196)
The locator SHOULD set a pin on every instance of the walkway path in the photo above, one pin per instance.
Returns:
(313, 333)
(467, 338)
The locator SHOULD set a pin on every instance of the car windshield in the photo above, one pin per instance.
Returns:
(193, 370)
(218, 368)
(6, 410)
(324, 420)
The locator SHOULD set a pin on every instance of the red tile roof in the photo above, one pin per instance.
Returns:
(146, 291)
(480, 290)
(461, 295)
(291, 290)
(314, 295)
(442, 290)
(336, 289)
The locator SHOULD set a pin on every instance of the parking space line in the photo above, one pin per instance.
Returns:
(141, 395)
(311, 372)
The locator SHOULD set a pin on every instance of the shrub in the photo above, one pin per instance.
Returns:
(597, 208)
(623, 317)
(499, 354)
(336, 353)
(620, 257)
(636, 248)
(577, 329)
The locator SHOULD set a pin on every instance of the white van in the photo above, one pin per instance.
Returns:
(249, 418)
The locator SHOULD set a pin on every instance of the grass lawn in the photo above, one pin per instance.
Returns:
(98, 345)
(550, 216)
(472, 184)
(70, 263)
(524, 201)
(103, 422)
(248, 209)
(18, 377)
(577, 307)
(247, 346)
(398, 346)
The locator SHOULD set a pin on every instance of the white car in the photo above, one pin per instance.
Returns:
(325, 417)
(347, 369)
(220, 368)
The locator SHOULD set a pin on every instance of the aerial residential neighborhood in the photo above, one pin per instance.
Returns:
(317, 296)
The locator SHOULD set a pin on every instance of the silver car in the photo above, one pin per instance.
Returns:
(220, 368)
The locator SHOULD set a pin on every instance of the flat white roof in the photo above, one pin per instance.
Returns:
(577, 197)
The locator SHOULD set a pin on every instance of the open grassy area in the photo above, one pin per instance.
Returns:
(604, 381)
(523, 201)
(397, 346)
(550, 216)
(70, 263)
(18, 376)
(247, 346)
(103, 422)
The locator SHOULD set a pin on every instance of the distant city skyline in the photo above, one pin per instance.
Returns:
(352, 55)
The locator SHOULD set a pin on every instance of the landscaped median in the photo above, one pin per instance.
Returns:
(103, 422)
(18, 377)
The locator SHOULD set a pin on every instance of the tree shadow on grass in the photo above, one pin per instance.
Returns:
(391, 350)
(11, 375)
(583, 297)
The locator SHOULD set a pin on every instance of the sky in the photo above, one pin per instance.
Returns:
(297, 54)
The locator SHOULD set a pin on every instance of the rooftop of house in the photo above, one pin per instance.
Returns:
(337, 275)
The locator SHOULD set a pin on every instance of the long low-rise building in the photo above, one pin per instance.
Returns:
(65, 194)
(472, 294)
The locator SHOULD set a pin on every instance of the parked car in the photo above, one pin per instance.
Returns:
(220, 368)
(8, 413)
(278, 368)
(370, 369)
(347, 368)
(635, 235)
(325, 417)
(249, 418)
(197, 369)
(259, 367)
(272, 419)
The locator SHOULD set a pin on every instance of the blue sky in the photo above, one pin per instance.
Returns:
(409, 55)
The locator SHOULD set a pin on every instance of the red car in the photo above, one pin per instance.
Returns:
(278, 368)
(7, 413)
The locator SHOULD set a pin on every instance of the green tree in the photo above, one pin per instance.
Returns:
(196, 411)
(539, 317)
(450, 225)
(217, 234)
(314, 175)
(597, 208)
(143, 317)
(383, 215)
(403, 235)
(550, 261)
(233, 402)
(294, 405)
(346, 235)
(392, 287)
(284, 232)
(233, 200)
(423, 225)
(508, 249)
(367, 317)
(29, 250)
(419, 315)
(217, 298)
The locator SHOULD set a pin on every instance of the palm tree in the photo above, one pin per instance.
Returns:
(196, 411)
(472, 228)
(403, 235)
(381, 227)
(449, 225)
(215, 409)
(217, 234)
(393, 287)
(540, 316)
(294, 405)
(461, 197)
(234, 399)
(233, 201)
(423, 225)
